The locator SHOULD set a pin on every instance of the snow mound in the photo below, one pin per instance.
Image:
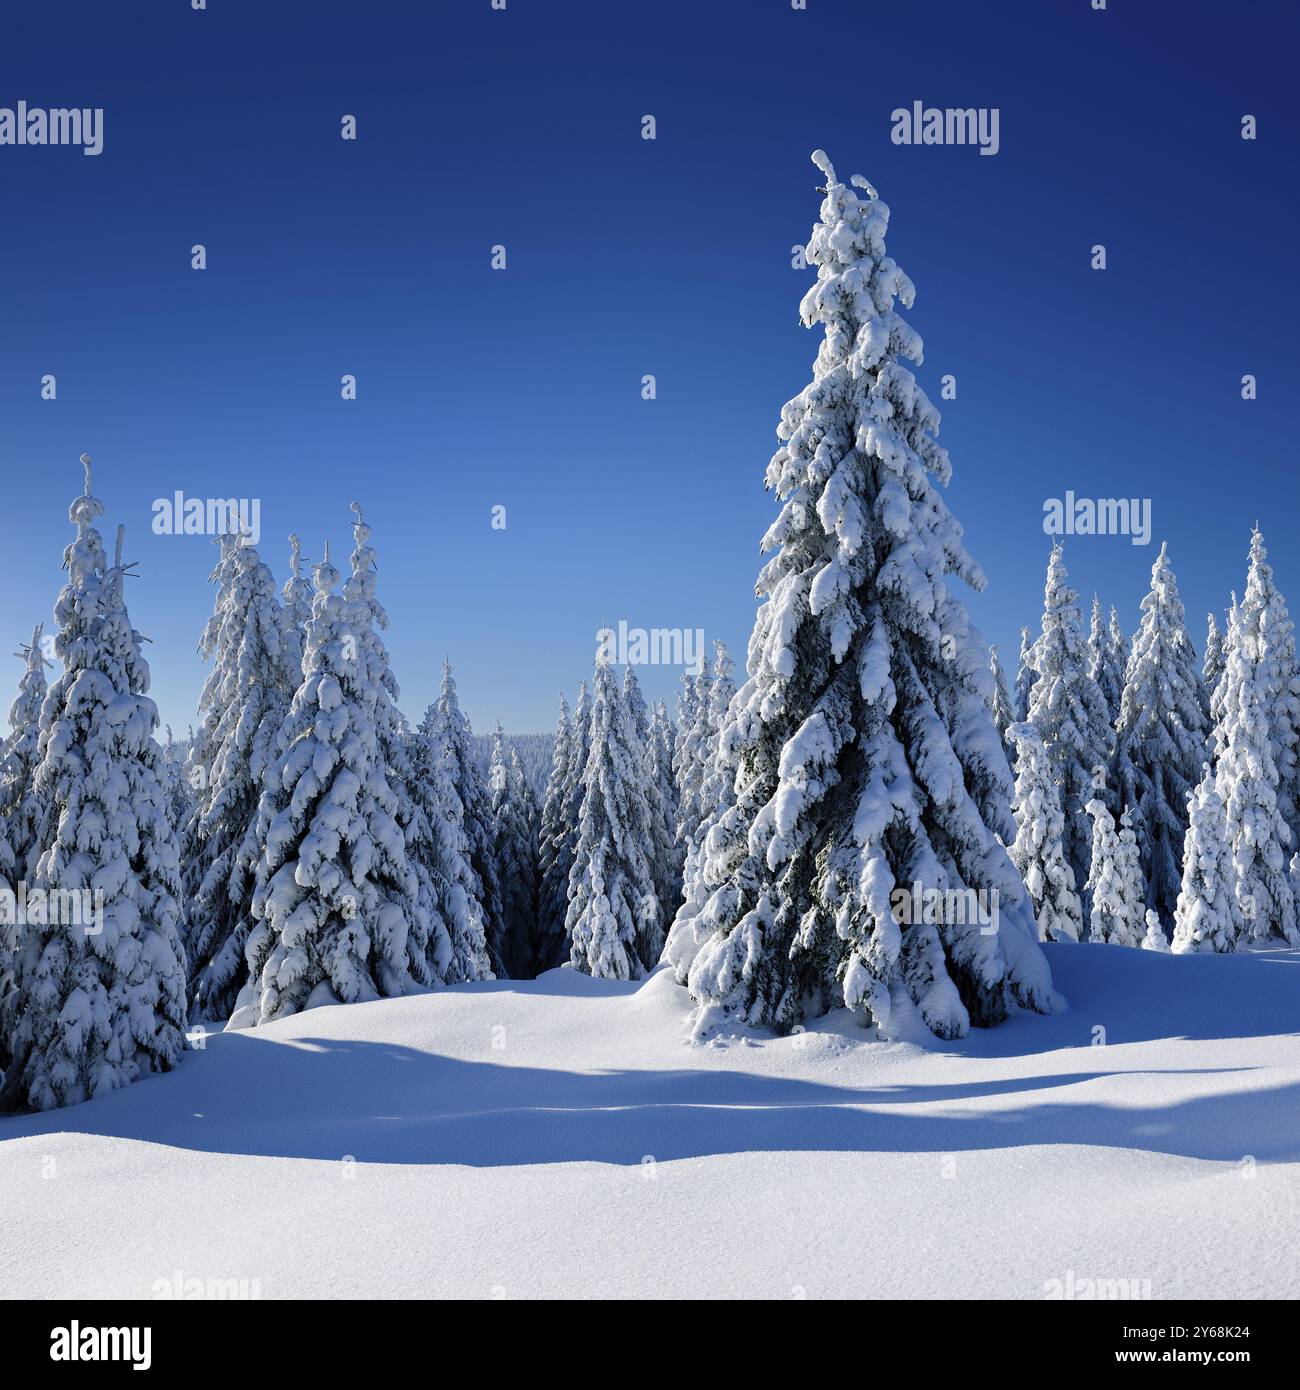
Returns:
(560, 1136)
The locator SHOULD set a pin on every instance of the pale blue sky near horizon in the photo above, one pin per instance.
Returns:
(522, 388)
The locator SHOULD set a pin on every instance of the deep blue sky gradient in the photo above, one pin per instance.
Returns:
(627, 257)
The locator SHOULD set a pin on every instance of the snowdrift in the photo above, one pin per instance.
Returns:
(557, 1137)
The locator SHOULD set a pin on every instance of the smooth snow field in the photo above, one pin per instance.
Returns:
(559, 1138)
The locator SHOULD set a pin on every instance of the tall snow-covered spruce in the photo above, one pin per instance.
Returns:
(1115, 888)
(1266, 612)
(448, 725)
(1025, 674)
(447, 942)
(442, 851)
(514, 856)
(1207, 917)
(8, 945)
(552, 868)
(658, 816)
(1212, 663)
(1119, 644)
(1003, 711)
(180, 794)
(297, 591)
(98, 996)
(612, 923)
(1105, 659)
(693, 750)
(1068, 709)
(25, 812)
(669, 859)
(256, 654)
(1252, 728)
(1037, 851)
(1160, 740)
(715, 786)
(564, 805)
(862, 749)
(345, 910)
(1217, 692)
(713, 796)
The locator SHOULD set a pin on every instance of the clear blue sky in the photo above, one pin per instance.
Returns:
(523, 387)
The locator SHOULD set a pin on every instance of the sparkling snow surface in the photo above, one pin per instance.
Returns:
(557, 1138)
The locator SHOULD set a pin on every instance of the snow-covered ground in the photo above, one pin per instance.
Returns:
(559, 1138)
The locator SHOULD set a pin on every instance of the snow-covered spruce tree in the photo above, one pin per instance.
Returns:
(613, 922)
(694, 748)
(441, 850)
(666, 734)
(98, 1000)
(1277, 632)
(1207, 917)
(1069, 711)
(180, 797)
(553, 939)
(297, 592)
(1103, 664)
(526, 795)
(1003, 711)
(714, 794)
(659, 833)
(23, 816)
(1115, 887)
(515, 859)
(1154, 938)
(1160, 740)
(688, 701)
(342, 914)
(552, 874)
(447, 944)
(689, 929)
(8, 945)
(1212, 665)
(255, 653)
(1131, 864)
(25, 813)
(1037, 850)
(1216, 692)
(861, 748)
(1025, 674)
(1119, 644)
(1246, 776)
(669, 858)
(449, 723)
(520, 768)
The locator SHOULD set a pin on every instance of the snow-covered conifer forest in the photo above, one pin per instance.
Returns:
(873, 960)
